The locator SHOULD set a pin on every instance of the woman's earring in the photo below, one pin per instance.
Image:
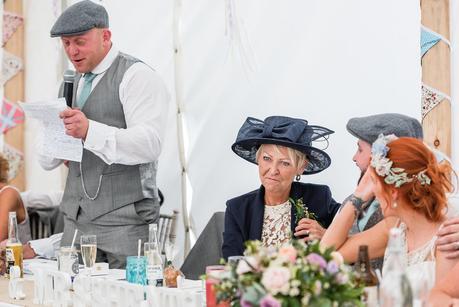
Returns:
(298, 177)
(394, 205)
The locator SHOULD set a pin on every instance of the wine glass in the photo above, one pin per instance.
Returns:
(88, 246)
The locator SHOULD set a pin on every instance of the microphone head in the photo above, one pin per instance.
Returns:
(69, 75)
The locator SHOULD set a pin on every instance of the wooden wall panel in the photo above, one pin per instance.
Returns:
(14, 88)
(436, 73)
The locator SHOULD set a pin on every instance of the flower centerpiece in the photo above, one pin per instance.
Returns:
(296, 274)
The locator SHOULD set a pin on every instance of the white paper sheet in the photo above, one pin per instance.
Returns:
(56, 143)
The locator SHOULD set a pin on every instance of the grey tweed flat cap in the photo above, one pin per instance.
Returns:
(368, 128)
(80, 18)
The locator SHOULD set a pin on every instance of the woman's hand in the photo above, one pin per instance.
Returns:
(309, 230)
(365, 189)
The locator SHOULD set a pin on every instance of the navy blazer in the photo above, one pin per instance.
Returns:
(244, 214)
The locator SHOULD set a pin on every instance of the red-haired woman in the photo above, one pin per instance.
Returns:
(411, 188)
(10, 200)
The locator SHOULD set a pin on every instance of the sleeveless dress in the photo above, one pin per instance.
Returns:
(420, 265)
(24, 226)
(276, 224)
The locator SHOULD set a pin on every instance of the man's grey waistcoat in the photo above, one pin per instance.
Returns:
(121, 185)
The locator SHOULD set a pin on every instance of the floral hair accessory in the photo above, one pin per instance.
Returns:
(383, 165)
(423, 178)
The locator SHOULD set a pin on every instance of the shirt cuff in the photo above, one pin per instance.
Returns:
(98, 136)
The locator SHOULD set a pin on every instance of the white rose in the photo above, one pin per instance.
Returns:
(275, 279)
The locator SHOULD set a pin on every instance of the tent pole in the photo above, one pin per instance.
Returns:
(178, 78)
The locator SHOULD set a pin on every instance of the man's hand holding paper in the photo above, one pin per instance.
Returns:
(76, 123)
(56, 143)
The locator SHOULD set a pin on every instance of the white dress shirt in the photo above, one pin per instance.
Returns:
(145, 98)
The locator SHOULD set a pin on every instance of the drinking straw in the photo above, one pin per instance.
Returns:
(138, 249)
(378, 274)
(74, 237)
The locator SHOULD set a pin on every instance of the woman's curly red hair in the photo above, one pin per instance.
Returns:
(414, 157)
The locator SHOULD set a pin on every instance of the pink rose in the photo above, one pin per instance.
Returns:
(275, 279)
(316, 259)
(269, 301)
(288, 252)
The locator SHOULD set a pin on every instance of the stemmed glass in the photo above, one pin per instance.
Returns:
(88, 246)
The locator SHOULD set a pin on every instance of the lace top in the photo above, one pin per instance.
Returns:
(276, 224)
(420, 267)
(424, 253)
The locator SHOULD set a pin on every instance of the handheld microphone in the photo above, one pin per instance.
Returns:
(69, 78)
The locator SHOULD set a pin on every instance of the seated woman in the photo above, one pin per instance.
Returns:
(446, 292)
(411, 188)
(10, 200)
(281, 146)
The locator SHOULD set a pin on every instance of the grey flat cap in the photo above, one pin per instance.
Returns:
(368, 128)
(80, 18)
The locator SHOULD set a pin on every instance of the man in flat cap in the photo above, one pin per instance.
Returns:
(119, 112)
(367, 129)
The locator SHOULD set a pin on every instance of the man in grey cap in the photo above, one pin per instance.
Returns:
(367, 129)
(119, 112)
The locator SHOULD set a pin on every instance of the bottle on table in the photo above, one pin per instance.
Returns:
(171, 273)
(366, 277)
(395, 289)
(154, 261)
(13, 251)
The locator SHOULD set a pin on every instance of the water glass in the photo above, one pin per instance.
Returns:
(67, 260)
(88, 248)
(136, 270)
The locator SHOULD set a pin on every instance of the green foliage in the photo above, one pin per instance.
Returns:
(302, 211)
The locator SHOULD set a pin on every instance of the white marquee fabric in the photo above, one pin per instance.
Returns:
(326, 61)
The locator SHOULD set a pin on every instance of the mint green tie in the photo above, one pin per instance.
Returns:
(84, 94)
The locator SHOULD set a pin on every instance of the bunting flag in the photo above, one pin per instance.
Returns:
(11, 22)
(10, 67)
(15, 160)
(429, 39)
(11, 116)
(430, 98)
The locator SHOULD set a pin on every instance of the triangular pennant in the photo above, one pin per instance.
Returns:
(430, 98)
(428, 40)
(15, 160)
(10, 67)
(11, 115)
(11, 22)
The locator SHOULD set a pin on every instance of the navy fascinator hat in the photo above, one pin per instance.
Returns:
(285, 131)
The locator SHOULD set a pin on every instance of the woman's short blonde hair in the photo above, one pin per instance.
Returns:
(298, 158)
(4, 169)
